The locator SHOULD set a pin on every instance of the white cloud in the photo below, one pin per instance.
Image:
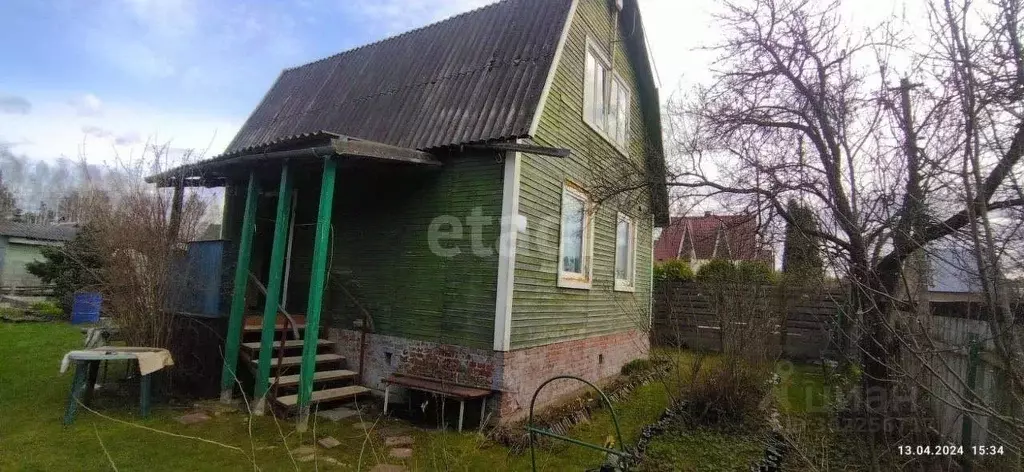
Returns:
(122, 131)
(87, 105)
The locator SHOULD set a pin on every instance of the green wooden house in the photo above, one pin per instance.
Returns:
(471, 202)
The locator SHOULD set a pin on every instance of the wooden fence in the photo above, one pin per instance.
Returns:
(800, 320)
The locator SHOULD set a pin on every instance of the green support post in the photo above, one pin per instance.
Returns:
(316, 291)
(234, 336)
(273, 297)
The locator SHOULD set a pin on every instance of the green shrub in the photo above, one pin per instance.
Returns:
(742, 272)
(637, 366)
(717, 271)
(47, 308)
(673, 269)
(755, 272)
(730, 392)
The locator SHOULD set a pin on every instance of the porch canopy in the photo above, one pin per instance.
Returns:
(309, 148)
(249, 167)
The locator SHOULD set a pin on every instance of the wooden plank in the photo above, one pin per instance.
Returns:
(360, 148)
(292, 361)
(278, 327)
(321, 376)
(326, 395)
(289, 344)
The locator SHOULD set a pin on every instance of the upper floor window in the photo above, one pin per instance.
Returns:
(606, 98)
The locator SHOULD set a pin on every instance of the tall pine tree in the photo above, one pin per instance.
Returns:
(801, 257)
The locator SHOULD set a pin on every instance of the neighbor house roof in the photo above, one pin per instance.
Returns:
(710, 236)
(952, 270)
(15, 229)
(474, 77)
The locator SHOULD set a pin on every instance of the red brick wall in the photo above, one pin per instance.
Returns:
(594, 359)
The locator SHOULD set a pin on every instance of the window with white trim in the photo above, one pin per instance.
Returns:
(606, 98)
(625, 253)
(576, 238)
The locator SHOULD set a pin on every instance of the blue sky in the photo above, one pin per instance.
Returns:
(94, 78)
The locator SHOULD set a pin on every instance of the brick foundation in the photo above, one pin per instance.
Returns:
(516, 374)
(386, 355)
(594, 359)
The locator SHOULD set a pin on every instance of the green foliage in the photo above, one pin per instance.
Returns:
(47, 308)
(640, 366)
(696, 449)
(673, 269)
(717, 271)
(72, 267)
(755, 272)
(801, 256)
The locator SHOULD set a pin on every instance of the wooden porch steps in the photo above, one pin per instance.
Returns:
(289, 344)
(319, 376)
(295, 361)
(327, 395)
(279, 328)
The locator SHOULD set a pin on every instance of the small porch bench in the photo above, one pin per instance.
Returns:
(438, 387)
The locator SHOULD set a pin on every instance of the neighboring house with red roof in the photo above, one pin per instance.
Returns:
(699, 239)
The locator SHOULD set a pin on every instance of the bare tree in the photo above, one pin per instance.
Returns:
(800, 107)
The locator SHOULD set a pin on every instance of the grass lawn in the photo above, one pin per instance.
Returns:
(33, 396)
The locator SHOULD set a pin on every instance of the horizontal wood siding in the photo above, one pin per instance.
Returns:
(543, 313)
(382, 254)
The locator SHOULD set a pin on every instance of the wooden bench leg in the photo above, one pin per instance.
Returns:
(77, 384)
(145, 383)
(462, 412)
(387, 395)
(90, 381)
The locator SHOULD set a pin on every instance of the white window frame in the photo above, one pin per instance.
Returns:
(574, 279)
(601, 59)
(625, 285)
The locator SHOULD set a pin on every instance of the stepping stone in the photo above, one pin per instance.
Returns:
(193, 418)
(401, 453)
(328, 442)
(398, 441)
(338, 414)
(389, 468)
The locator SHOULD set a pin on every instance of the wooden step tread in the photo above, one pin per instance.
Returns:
(291, 343)
(321, 376)
(279, 327)
(293, 361)
(326, 395)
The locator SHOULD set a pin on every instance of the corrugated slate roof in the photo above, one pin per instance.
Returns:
(15, 229)
(474, 77)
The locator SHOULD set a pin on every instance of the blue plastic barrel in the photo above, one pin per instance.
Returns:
(85, 308)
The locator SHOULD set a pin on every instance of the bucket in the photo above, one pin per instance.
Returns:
(85, 308)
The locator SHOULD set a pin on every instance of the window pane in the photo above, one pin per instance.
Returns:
(600, 109)
(622, 251)
(572, 234)
(613, 114)
(589, 110)
(622, 109)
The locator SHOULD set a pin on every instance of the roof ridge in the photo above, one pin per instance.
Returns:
(399, 35)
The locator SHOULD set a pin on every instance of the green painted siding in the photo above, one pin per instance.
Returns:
(382, 249)
(542, 312)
